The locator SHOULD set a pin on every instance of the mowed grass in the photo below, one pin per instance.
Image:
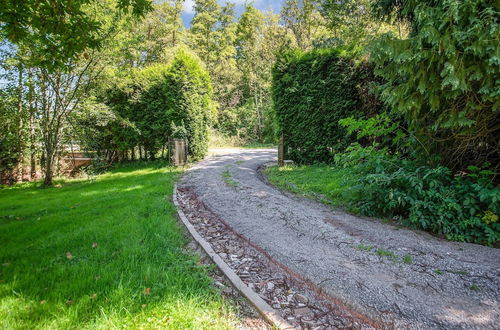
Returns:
(328, 184)
(103, 253)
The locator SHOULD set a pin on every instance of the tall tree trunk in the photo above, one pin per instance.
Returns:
(33, 106)
(50, 133)
(140, 152)
(44, 106)
(52, 157)
(20, 135)
(49, 167)
(174, 33)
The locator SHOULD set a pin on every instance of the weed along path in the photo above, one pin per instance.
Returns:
(372, 274)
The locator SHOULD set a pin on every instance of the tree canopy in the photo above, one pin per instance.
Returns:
(59, 30)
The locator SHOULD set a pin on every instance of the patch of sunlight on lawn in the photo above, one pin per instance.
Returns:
(102, 253)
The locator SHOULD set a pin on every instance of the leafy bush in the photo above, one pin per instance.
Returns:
(149, 110)
(312, 92)
(188, 97)
(178, 132)
(103, 132)
(138, 99)
(462, 206)
(146, 106)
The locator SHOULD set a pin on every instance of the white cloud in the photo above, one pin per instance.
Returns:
(188, 6)
(263, 4)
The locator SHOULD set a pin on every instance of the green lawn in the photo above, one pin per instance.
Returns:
(103, 253)
(328, 184)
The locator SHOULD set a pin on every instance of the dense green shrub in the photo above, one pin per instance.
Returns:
(443, 77)
(139, 99)
(151, 111)
(102, 132)
(461, 206)
(312, 92)
(143, 107)
(188, 99)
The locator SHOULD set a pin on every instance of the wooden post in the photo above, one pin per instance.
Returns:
(281, 151)
(177, 152)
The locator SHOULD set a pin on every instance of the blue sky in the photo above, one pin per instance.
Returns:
(274, 5)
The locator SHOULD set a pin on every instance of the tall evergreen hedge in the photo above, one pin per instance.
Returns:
(311, 93)
(137, 102)
(149, 102)
(189, 102)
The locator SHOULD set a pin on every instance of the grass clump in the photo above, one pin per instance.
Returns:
(407, 259)
(228, 178)
(106, 253)
(326, 183)
(458, 272)
(385, 253)
(362, 247)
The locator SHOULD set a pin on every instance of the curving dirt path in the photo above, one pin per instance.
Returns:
(358, 261)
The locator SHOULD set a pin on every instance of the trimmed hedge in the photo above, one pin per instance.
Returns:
(136, 101)
(142, 109)
(311, 93)
(189, 103)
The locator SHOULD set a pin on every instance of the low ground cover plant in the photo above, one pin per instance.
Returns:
(462, 207)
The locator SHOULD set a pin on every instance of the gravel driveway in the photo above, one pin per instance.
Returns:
(398, 277)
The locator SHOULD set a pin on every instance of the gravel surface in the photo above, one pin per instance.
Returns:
(397, 277)
(247, 317)
(290, 296)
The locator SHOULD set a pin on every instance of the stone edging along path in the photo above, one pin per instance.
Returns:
(397, 277)
(260, 278)
(262, 307)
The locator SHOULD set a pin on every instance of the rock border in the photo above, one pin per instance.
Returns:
(267, 312)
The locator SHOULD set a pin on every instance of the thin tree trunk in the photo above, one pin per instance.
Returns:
(33, 106)
(140, 152)
(58, 165)
(44, 106)
(51, 134)
(174, 33)
(49, 167)
(20, 146)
